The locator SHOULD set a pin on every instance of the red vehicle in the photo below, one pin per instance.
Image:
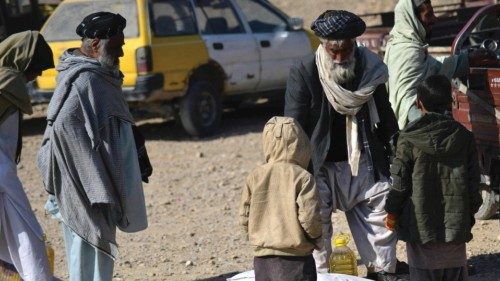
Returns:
(477, 100)
(451, 18)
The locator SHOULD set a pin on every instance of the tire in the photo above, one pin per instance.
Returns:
(201, 109)
(490, 203)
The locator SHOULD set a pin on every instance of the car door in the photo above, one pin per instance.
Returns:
(177, 47)
(477, 100)
(229, 44)
(476, 103)
(278, 44)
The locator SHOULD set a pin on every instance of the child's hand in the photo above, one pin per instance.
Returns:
(390, 221)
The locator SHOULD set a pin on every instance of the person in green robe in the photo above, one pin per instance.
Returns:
(409, 61)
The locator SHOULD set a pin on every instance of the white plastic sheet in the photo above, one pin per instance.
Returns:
(250, 276)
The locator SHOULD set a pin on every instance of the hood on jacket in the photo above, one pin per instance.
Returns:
(285, 141)
(436, 134)
(406, 23)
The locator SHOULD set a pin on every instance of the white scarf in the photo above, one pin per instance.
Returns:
(348, 102)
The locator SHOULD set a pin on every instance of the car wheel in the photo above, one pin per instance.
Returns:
(201, 109)
(490, 203)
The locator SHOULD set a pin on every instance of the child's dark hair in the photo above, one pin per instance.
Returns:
(435, 93)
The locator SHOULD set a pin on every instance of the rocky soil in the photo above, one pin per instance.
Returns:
(193, 196)
(192, 202)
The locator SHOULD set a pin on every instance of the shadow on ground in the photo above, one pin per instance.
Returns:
(485, 264)
(245, 119)
(222, 277)
(240, 121)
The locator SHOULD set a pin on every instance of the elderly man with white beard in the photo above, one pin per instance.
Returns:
(339, 98)
(88, 158)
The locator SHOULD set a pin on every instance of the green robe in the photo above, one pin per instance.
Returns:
(19, 53)
(409, 63)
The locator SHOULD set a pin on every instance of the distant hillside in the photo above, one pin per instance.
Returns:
(310, 9)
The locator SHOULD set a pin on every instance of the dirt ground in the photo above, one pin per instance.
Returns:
(192, 202)
(193, 196)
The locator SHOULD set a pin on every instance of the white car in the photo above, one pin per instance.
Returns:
(187, 57)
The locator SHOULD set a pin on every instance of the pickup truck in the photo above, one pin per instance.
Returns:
(477, 100)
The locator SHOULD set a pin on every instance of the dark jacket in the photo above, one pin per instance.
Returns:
(435, 181)
(306, 101)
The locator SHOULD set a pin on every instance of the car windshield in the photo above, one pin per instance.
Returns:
(62, 24)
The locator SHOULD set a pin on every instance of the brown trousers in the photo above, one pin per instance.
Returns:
(284, 268)
(446, 274)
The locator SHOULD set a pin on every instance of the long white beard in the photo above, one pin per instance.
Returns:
(343, 72)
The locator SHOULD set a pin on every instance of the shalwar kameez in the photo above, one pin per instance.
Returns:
(21, 237)
(350, 125)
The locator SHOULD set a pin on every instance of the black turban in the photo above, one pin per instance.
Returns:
(338, 25)
(101, 25)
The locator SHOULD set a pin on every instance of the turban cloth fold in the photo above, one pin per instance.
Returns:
(338, 25)
(102, 25)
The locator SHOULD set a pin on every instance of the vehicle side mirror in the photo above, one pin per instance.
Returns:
(296, 23)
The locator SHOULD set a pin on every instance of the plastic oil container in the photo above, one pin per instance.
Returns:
(342, 260)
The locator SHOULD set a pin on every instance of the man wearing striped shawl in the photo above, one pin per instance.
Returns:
(88, 159)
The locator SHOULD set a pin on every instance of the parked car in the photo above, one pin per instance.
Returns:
(186, 58)
(477, 101)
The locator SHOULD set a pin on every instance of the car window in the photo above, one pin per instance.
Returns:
(488, 27)
(260, 18)
(217, 17)
(172, 17)
(61, 27)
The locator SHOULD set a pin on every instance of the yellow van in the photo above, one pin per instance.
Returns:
(186, 57)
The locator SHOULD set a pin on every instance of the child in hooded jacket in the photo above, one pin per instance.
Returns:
(280, 208)
(434, 194)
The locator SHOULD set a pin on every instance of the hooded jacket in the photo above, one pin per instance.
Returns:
(435, 181)
(409, 62)
(280, 206)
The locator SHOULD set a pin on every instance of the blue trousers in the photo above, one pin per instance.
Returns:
(85, 262)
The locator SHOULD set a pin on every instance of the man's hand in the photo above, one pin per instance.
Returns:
(390, 221)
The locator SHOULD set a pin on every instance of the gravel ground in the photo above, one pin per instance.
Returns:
(192, 203)
(192, 198)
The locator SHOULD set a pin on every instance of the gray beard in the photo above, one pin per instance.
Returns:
(107, 61)
(343, 72)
